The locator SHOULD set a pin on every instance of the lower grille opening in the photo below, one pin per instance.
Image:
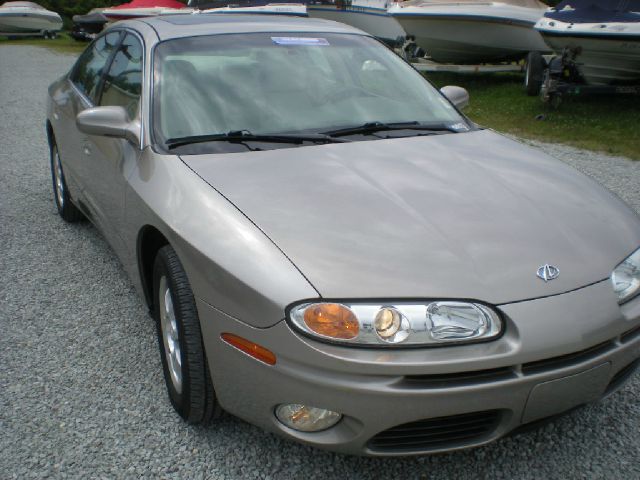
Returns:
(630, 335)
(622, 376)
(461, 379)
(435, 433)
(566, 360)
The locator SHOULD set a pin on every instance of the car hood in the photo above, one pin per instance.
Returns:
(470, 215)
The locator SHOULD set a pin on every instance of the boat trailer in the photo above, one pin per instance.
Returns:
(416, 57)
(556, 77)
(46, 34)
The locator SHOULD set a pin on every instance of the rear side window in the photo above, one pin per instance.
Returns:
(123, 82)
(86, 75)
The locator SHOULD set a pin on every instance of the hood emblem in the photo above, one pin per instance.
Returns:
(548, 272)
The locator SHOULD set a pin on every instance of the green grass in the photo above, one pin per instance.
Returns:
(602, 123)
(62, 44)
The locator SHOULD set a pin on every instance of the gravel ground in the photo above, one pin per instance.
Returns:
(81, 391)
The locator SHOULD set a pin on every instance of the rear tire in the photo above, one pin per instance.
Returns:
(534, 73)
(67, 210)
(184, 362)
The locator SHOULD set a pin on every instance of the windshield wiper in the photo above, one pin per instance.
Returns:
(247, 136)
(373, 127)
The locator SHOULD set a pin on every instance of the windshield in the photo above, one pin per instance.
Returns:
(270, 83)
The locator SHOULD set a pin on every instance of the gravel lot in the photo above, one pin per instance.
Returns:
(81, 389)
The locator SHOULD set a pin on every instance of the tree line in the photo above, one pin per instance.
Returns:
(69, 8)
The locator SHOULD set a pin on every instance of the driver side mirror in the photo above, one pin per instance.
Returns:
(110, 121)
(456, 95)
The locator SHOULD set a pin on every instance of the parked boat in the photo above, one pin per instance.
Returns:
(295, 8)
(28, 18)
(370, 16)
(142, 8)
(603, 37)
(472, 31)
(87, 27)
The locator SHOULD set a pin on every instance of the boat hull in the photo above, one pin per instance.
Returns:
(374, 21)
(470, 34)
(26, 22)
(115, 14)
(290, 9)
(606, 55)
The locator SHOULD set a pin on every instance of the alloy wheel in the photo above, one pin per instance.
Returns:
(170, 334)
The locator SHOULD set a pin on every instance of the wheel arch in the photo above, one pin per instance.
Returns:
(150, 240)
(50, 135)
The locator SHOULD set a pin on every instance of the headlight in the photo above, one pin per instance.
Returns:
(626, 278)
(397, 323)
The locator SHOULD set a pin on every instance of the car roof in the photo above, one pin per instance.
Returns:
(189, 25)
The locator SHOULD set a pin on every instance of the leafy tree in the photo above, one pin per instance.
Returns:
(69, 8)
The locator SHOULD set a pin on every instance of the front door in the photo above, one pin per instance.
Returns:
(111, 160)
(81, 93)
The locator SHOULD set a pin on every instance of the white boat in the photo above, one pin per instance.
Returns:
(28, 18)
(603, 36)
(370, 16)
(294, 9)
(472, 31)
(143, 8)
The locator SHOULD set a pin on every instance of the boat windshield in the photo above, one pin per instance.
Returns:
(271, 83)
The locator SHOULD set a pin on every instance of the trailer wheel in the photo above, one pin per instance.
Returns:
(555, 100)
(534, 73)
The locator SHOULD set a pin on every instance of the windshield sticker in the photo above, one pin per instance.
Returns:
(315, 42)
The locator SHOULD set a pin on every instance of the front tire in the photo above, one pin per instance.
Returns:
(67, 210)
(184, 361)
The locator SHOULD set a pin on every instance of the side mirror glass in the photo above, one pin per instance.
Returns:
(109, 122)
(457, 95)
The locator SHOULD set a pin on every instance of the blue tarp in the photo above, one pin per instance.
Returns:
(596, 11)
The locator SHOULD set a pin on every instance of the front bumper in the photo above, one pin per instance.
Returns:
(557, 353)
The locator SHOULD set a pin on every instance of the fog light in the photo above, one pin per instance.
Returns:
(306, 419)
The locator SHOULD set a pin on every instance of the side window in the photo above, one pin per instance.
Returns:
(123, 82)
(86, 75)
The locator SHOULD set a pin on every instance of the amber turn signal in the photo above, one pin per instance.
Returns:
(256, 351)
(332, 320)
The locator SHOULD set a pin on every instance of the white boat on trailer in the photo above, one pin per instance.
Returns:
(370, 16)
(28, 18)
(472, 31)
(602, 38)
